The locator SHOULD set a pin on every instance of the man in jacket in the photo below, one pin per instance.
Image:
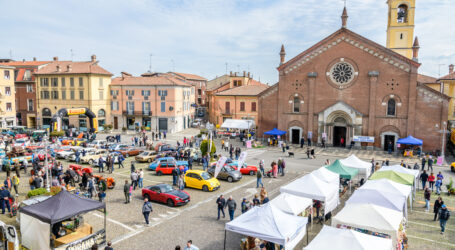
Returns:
(424, 179)
(4, 199)
(231, 205)
(175, 175)
(444, 215)
(221, 202)
(126, 191)
(101, 164)
(134, 178)
(259, 179)
(146, 209)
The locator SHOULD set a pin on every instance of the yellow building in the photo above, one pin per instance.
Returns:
(400, 28)
(7, 97)
(68, 84)
(446, 85)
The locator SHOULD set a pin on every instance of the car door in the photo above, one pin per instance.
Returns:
(154, 196)
(223, 173)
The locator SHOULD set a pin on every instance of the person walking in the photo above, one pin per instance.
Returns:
(308, 152)
(181, 183)
(274, 170)
(16, 182)
(245, 205)
(283, 166)
(190, 246)
(120, 160)
(231, 205)
(437, 205)
(77, 154)
(101, 164)
(424, 178)
(175, 175)
(8, 183)
(261, 167)
(430, 163)
(438, 185)
(259, 179)
(146, 210)
(141, 178)
(424, 161)
(444, 215)
(221, 202)
(134, 178)
(279, 165)
(302, 142)
(111, 164)
(4, 199)
(109, 246)
(126, 191)
(431, 180)
(427, 196)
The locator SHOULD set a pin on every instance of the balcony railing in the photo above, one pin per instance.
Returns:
(227, 112)
(137, 112)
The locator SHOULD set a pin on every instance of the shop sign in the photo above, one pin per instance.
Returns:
(78, 111)
(358, 138)
(85, 243)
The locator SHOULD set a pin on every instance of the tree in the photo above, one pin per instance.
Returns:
(204, 147)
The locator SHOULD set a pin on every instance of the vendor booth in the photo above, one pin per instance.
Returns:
(345, 239)
(310, 186)
(400, 169)
(388, 186)
(372, 220)
(398, 177)
(238, 124)
(344, 171)
(393, 201)
(269, 223)
(327, 176)
(56, 223)
(275, 132)
(410, 141)
(292, 204)
(353, 162)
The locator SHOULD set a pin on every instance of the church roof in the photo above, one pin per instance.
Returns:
(356, 40)
(425, 79)
(450, 76)
(433, 91)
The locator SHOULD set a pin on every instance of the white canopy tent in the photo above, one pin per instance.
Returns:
(238, 124)
(269, 223)
(312, 187)
(370, 217)
(327, 176)
(291, 204)
(388, 186)
(380, 198)
(354, 162)
(345, 239)
(400, 169)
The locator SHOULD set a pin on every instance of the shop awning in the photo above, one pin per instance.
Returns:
(410, 140)
(342, 170)
(275, 131)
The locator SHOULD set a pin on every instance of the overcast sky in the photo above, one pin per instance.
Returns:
(201, 36)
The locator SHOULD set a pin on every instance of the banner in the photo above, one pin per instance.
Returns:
(219, 164)
(440, 161)
(242, 159)
(78, 111)
(85, 243)
(358, 138)
(248, 144)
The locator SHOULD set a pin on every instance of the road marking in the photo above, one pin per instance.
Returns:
(423, 224)
(435, 241)
(114, 221)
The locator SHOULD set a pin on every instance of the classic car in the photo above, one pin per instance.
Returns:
(146, 156)
(167, 167)
(129, 151)
(226, 173)
(92, 157)
(161, 160)
(165, 193)
(199, 179)
(245, 169)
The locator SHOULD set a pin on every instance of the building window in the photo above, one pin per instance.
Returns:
(101, 113)
(72, 94)
(8, 91)
(9, 106)
(30, 104)
(391, 109)
(227, 107)
(54, 81)
(81, 82)
(29, 88)
(63, 95)
(81, 95)
(101, 94)
(146, 108)
(296, 105)
(54, 94)
(46, 112)
(44, 94)
(101, 82)
(27, 75)
(253, 106)
(402, 13)
(63, 82)
(130, 107)
(199, 101)
(163, 106)
(199, 91)
(145, 93)
(242, 106)
(114, 105)
(44, 82)
(71, 81)
(6, 74)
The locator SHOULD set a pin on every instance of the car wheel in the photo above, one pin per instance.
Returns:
(159, 173)
(90, 162)
(229, 179)
(170, 203)
(127, 155)
(205, 188)
(149, 160)
(251, 172)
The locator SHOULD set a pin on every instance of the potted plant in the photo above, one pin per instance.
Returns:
(124, 129)
(450, 188)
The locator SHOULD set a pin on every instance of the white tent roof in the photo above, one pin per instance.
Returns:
(271, 224)
(354, 162)
(400, 169)
(312, 187)
(345, 239)
(386, 185)
(384, 199)
(370, 217)
(238, 124)
(327, 176)
(291, 204)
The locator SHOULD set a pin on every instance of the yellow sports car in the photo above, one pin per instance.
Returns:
(201, 180)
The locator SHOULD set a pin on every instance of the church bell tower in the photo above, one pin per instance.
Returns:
(400, 28)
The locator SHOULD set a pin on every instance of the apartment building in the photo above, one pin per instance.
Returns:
(198, 82)
(7, 93)
(156, 101)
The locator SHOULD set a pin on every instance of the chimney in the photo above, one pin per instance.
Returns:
(451, 68)
(282, 54)
(248, 74)
(244, 73)
(68, 67)
(34, 59)
(415, 50)
(93, 58)
(230, 73)
(58, 68)
(344, 18)
(55, 58)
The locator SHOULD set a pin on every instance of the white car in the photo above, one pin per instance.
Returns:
(65, 154)
(93, 156)
(87, 151)
(97, 144)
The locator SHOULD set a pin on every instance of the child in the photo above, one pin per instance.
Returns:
(131, 191)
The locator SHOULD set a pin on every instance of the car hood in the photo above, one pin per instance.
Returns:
(182, 163)
(179, 194)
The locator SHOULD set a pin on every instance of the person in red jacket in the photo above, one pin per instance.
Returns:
(431, 180)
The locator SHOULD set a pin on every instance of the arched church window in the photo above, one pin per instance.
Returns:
(47, 112)
(391, 107)
(402, 13)
(296, 105)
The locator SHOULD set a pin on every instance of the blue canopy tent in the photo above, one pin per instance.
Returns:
(410, 141)
(275, 131)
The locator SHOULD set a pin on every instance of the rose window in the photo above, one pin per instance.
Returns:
(342, 73)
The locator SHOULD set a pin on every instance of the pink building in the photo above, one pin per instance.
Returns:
(157, 101)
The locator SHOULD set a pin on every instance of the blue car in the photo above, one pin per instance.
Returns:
(155, 164)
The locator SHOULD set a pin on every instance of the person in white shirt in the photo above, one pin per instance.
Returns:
(190, 246)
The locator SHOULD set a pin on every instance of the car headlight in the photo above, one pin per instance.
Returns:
(177, 199)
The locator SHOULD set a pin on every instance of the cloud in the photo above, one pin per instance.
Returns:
(201, 36)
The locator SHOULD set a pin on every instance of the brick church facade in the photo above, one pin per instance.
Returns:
(347, 85)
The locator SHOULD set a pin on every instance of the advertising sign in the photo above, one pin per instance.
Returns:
(358, 138)
(219, 164)
(85, 243)
(242, 158)
(77, 111)
(440, 161)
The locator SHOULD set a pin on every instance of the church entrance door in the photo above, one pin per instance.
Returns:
(338, 134)
(389, 140)
(295, 136)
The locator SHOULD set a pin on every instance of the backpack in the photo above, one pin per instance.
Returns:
(445, 214)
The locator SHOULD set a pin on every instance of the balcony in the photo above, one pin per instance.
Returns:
(137, 112)
(227, 112)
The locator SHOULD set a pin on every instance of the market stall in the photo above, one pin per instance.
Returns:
(269, 223)
(398, 177)
(327, 176)
(275, 132)
(56, 223)
(353, 162)
(238, 124)
(373, 220)
(345, 239)
(292, 204)
(381, 198)
(410, 141)
(388, 186)
(312, 187)
(344, 171)
(400, 169)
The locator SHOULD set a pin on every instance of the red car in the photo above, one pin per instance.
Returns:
(165, 193)
(245, 169)
(42, 157)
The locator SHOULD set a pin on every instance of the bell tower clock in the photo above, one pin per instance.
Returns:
(400, 28)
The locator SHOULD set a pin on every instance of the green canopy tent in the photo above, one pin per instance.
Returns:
(342, 170)
(402, 178)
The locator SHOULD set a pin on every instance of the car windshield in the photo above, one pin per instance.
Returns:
(229, 168)
(144, 154)
(166, 189)
(205, 176)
